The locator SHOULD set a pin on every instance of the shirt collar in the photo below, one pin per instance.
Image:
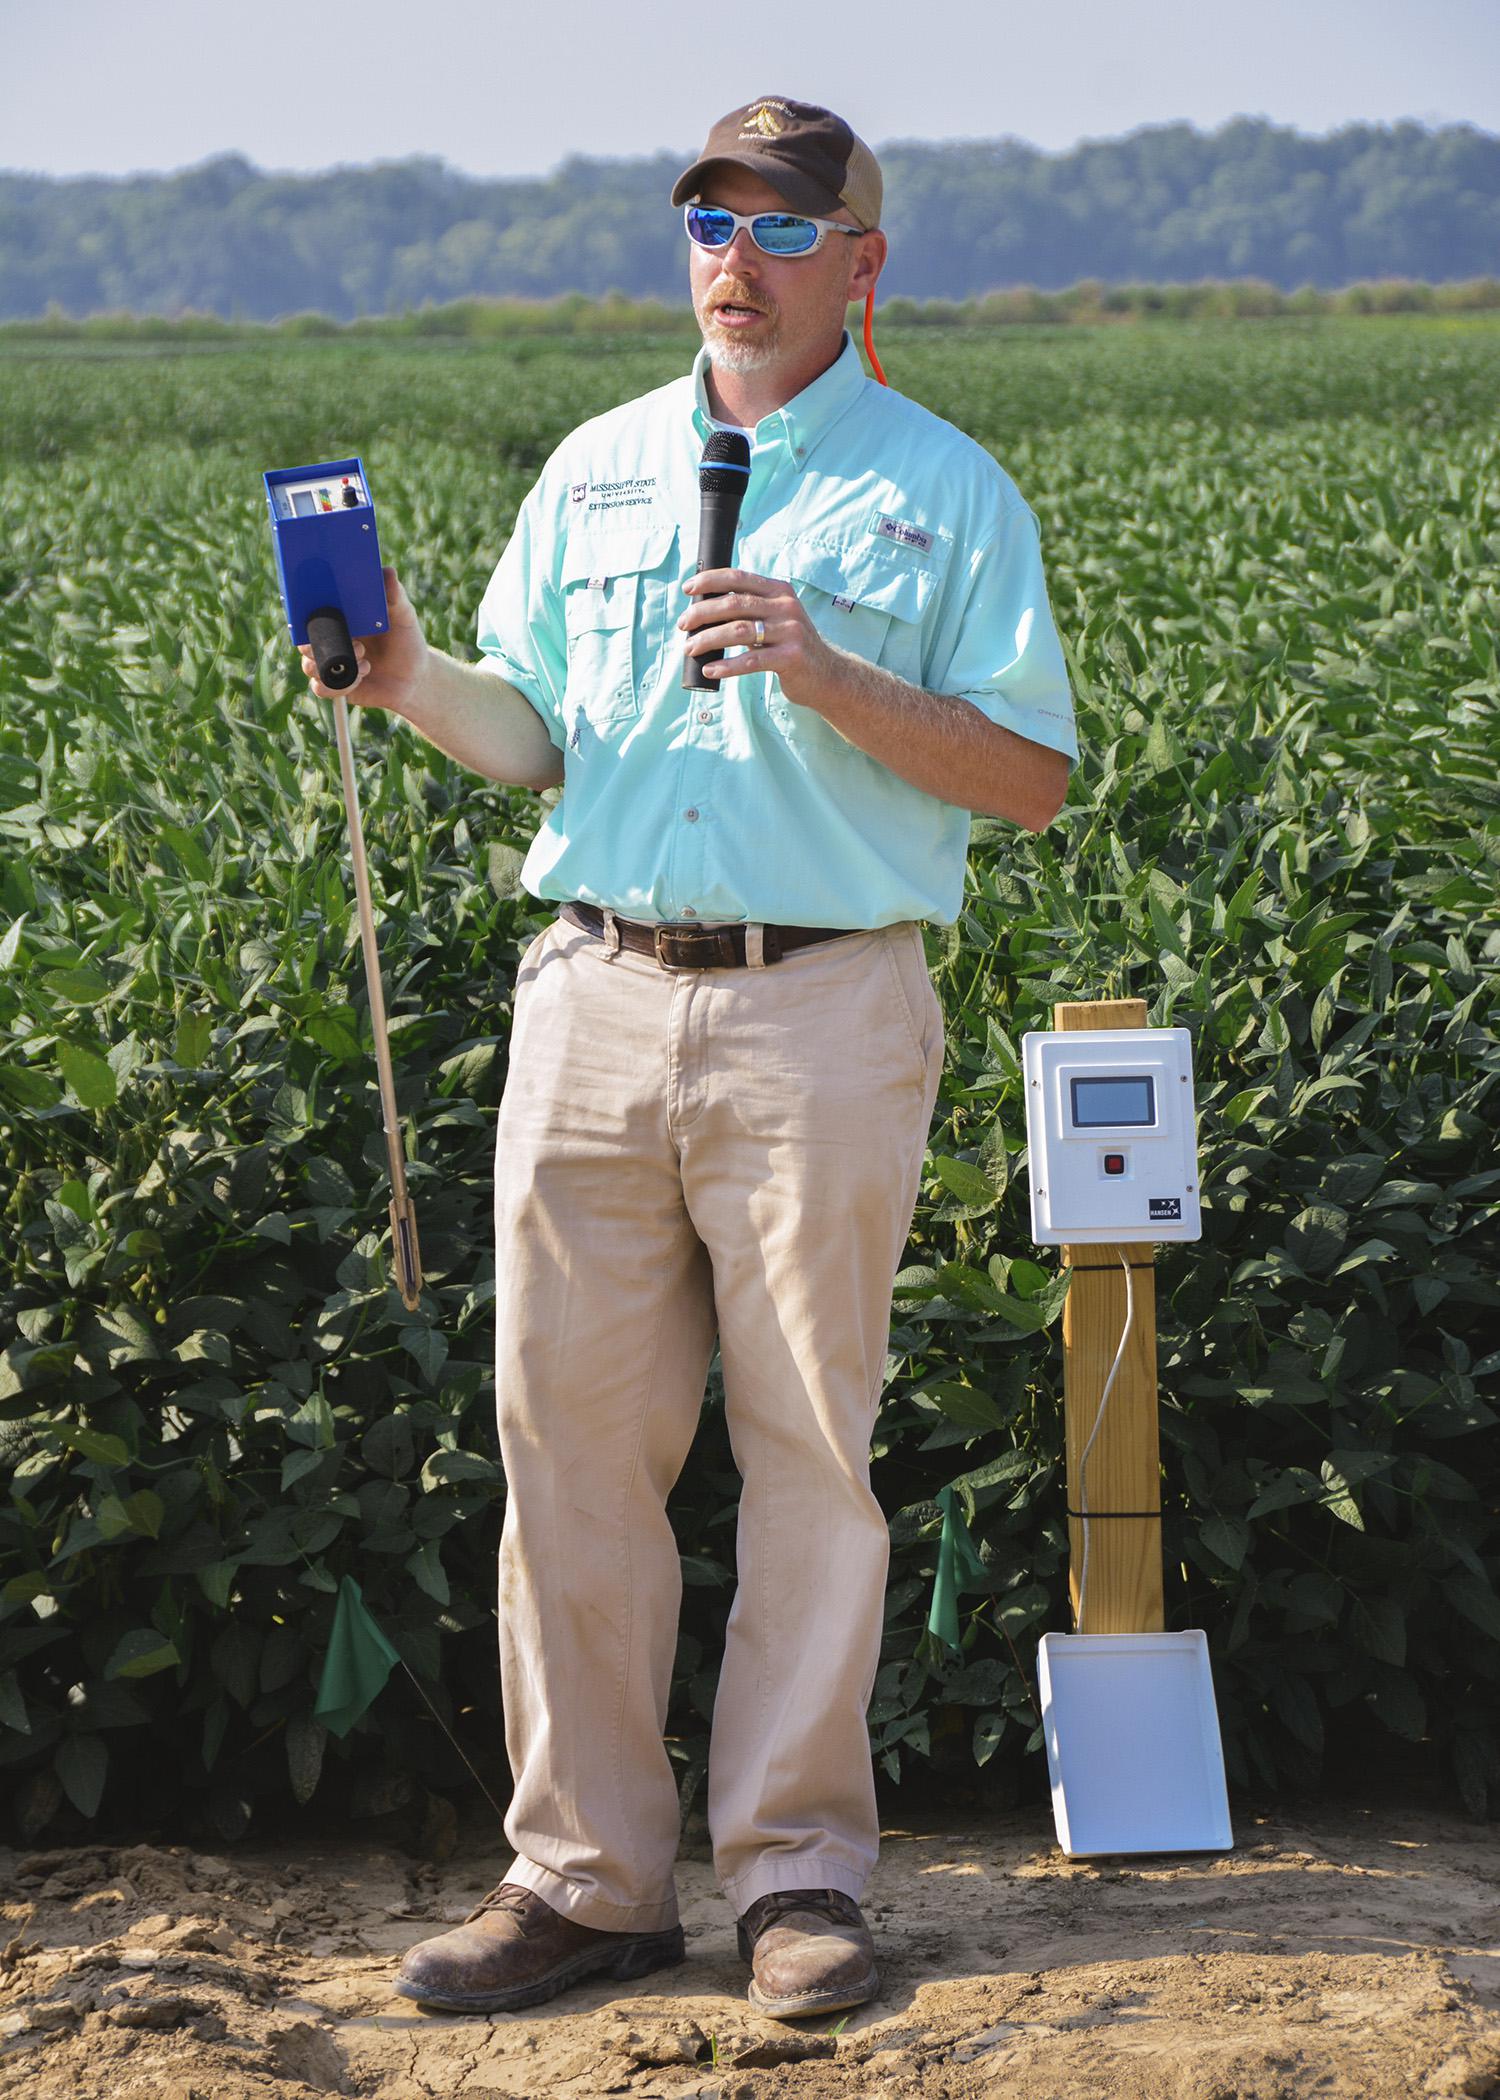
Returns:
(808, 416)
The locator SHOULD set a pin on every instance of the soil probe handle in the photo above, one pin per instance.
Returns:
(329, 639)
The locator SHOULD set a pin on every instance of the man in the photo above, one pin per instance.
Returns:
(724, 1059)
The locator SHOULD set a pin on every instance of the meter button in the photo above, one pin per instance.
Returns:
(1114, 1162)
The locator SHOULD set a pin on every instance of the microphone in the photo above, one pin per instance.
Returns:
(723, 474)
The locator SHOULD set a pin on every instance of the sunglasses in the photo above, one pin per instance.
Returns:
(774, 232)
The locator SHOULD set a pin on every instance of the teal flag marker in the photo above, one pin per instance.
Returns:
(959, 1568)
(358, 1662)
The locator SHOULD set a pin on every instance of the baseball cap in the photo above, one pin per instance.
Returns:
(807, 154)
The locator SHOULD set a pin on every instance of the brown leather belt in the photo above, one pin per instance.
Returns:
(679, 947)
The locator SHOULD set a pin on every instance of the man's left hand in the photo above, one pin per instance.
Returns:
(726, 603)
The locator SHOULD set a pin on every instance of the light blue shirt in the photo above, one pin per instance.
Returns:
(907, 544)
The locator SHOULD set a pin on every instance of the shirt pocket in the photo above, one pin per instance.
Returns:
(869, 597)
(611, 614)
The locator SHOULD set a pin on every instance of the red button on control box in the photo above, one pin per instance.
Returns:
(1114, 1162)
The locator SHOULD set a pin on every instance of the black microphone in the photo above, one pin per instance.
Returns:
(723, 474)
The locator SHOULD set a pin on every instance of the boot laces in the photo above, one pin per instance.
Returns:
(508, 1895)
(828, 1901)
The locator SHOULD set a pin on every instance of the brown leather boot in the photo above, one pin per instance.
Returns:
(810, 1951)
(514, 1949)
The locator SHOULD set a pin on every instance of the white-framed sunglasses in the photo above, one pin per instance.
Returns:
(774, 232)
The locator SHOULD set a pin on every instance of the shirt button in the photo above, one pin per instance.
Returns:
(689, 911)
(691, 815)
(704, 715)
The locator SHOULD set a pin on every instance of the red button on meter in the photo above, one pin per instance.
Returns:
(1114, 1162)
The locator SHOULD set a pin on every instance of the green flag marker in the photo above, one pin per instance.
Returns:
(358, 1662)
(959, 1568)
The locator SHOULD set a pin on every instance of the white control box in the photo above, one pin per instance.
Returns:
(1111, 1135)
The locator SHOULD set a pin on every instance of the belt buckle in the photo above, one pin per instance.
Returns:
(678, 933)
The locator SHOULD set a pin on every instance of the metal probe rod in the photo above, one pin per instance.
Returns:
(403, 1217)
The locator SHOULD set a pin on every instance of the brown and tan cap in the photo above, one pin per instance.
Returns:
(808, 155)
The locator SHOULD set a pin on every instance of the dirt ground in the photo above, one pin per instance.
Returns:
(1340, 1950)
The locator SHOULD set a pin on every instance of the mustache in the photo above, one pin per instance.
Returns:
(736, 295)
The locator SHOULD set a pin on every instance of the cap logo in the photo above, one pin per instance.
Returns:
(761, 121)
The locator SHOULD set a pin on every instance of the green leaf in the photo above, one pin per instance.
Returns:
(185, 845)
(1029, 1316)
(1294, 1702)
(144, 1512)
(980, 1684)
(195, 1033)
(1022, 1608)
(312, 1424)
(1228, 1538)
(1398, 1704)
(390, 1446)
(216, 1582)
(965, 1404)
(1366, 1253)
(1339, 1502)
(13, 1714)
(426, 1567)
(429, 1347)
(81, 1763)
(24, 1086)
(967, 1182)
(296, 1465)
(85, 988)
(93, 1444)
(141, 1653)
(449, 1468)
(336, 1033)
(1295, 1485)
(1314, 1237)
(89, 1076)
(1478, 1604)
(1380, 1625)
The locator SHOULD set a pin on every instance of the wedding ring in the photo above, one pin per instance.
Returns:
(760, 635)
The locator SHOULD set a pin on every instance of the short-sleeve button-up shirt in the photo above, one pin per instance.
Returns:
(908, 545)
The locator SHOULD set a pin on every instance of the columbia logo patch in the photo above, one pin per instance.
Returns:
(904, 534)
(844, 604)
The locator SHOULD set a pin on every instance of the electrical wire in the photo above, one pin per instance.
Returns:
(1083, 1463)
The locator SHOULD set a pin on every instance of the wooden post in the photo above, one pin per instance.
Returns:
(1124, 1476)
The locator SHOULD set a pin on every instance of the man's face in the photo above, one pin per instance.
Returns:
(759, 311)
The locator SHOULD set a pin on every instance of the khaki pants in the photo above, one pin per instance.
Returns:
(678, 1153)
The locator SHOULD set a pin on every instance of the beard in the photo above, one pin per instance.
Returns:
(726, 347)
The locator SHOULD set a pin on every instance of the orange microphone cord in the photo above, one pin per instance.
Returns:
(870, 338)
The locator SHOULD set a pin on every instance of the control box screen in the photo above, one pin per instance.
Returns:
(1106, 1103)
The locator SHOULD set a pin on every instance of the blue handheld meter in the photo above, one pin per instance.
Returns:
(328, 562)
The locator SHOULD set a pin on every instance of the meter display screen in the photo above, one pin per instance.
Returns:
(1104, 1103)
(325, 492)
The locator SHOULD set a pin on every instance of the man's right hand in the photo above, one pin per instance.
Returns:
(392, 665)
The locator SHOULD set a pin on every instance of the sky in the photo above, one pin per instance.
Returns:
(498, 88)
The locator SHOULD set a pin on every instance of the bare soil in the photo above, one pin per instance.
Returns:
(1339, 1950)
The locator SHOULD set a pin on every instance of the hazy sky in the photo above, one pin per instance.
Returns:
(505, 89)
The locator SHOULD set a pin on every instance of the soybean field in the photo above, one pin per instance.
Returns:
(1273, 551)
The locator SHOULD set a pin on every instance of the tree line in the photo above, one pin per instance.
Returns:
(1168, 204)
